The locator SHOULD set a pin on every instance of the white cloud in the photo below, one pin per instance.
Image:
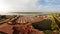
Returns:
(22, 5)
(27, 5)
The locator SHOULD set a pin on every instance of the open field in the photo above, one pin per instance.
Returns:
(39, 23)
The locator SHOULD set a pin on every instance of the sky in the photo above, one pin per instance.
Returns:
(29, 5)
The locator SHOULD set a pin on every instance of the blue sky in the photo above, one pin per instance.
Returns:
(52, 2)
(29, 5)
(52, 5)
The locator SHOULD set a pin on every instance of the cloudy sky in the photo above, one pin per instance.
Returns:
(29, 5)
